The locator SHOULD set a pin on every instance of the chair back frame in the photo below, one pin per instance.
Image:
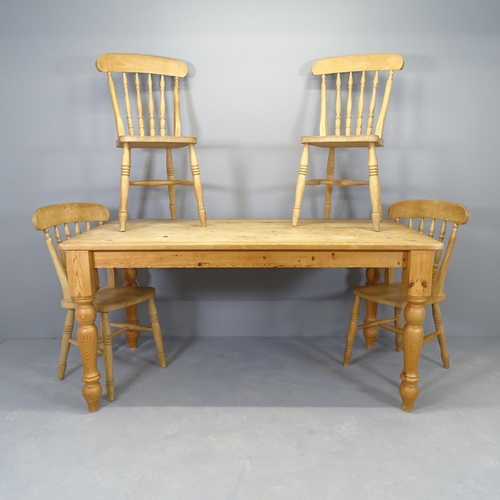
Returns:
(68, 215)
(136, 64)
(417, 212)
(356, 64)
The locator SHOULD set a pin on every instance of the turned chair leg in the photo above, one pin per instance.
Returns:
(301, 184)
(107, 354)
(371, 333)
(374, 186)
(198, 191)
(353, 326)
(124, 187)
(69, 323)
(171, 188)
(441, 334)
(155, 325)
(330, 170)
(132, 336)
(399, 324)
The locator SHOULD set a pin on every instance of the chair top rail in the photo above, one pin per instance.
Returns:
(363, 62)
(137, 63)
(53, 215)
(430, 209)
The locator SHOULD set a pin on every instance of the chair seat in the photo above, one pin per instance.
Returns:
(109, 299)
(343, 141)
(155, 141)
(390, 294)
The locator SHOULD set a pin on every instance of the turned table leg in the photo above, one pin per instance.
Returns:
(87, 342)
(129, 279)
(82, 287)
(417, 280)
(413, 335)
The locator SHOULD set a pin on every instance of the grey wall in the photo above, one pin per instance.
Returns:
(248, 99)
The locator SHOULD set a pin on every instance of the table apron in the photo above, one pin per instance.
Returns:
(250, 258)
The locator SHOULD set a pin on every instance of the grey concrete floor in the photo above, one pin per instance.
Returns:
(252, 418)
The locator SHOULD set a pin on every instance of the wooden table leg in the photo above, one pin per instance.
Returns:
(129, 279)
(82, 287)
(87, 342)
(417, 280)
(371, 333)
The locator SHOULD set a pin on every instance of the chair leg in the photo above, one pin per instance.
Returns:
(124, 187)
(171, 189)
(399, 324)
(330, 170)
(107, 354)
(353, 326)
(301, 184)
(65, 345)
(441, 335)
(374, 186)
(132, 336)
(198, 191)
(155, 324)
(371, 333)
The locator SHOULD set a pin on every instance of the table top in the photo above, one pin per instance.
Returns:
(251, 234)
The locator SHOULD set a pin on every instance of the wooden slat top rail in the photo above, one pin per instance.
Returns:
(251, 234)
(139, 63)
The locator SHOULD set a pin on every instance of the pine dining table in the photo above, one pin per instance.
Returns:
(250, 243)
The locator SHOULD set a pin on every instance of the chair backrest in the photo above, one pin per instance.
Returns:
(362, 76)
(67, 220)
(148, 74)
(418, 212)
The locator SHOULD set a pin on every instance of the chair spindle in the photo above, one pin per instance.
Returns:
(338, 105)
(348, 117)
(177, 109)
(323, 127)
(116, 107)
(373, 102)
(361, 103)
(151, 106)
(128, 109)
(432, 228)
(140, 117)
(385, 103)
(162, 105)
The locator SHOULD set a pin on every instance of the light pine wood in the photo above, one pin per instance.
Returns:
(153, 131)
(129, 276)
(357, 131)
(370, 332)
(252, 234)
(64, 221)
(261, 243)
(429, 217)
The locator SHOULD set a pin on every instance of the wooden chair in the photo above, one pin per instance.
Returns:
(390, 293)
(61, 218)
(149, 75)
(362, 75)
